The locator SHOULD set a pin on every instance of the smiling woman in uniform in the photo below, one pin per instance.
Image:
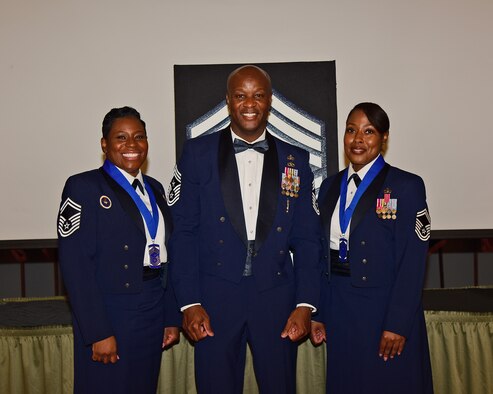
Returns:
(377, 227)
(113, 227)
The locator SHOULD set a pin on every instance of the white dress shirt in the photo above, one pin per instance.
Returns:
(250, 164)
(335, 226)
(160, 234)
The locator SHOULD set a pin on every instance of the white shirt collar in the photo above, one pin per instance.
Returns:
(234, 135)
(131, 178)
(362, 172)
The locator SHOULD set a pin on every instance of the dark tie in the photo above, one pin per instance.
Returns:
(355, 178)
(259, 146)
(136, 184)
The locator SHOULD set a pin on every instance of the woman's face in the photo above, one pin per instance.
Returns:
(362, 141)
(126, 145)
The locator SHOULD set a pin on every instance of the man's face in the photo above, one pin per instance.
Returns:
(249, 97)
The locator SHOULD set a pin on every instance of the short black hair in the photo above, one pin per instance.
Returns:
(117, 113)
(375, 114)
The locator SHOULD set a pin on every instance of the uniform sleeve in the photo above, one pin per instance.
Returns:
(77, 245)
(323, 313)
(411, 245)
(184, 200)
(172, 315)
(305, 241)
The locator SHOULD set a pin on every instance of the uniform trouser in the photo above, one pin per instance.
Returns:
(239, 314)
(138, 324)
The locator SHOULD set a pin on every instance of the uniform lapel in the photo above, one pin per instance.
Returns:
(329, 202)
(368, 199)
(230, 184)
(269, 193)
(163, 206)
(125, 200)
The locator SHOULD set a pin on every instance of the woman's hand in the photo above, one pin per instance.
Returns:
(317, 333)
(171, 336)
(390, 345)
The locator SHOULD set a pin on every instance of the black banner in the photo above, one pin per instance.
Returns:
(303, 113)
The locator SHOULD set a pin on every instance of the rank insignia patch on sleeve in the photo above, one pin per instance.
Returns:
(423, 225)
(314, 200)
(69, 218)
(174, 187)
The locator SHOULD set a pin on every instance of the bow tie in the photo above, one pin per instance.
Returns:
(355, 178)
(259, 146)
(136, 184)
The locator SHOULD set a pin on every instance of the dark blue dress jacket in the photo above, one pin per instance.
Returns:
(104, 253)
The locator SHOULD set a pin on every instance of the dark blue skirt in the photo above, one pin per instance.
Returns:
(138, 324)
(354, 328)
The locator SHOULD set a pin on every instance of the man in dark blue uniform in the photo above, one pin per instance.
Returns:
(242, 202)
(113, 250)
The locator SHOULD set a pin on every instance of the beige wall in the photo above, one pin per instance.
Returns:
(65, 63)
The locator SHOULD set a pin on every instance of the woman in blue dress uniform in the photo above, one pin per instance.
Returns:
(112, 250)
(377, 228)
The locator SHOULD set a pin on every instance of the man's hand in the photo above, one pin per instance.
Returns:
(105, 351)
(298, 324)
(317, 333)
(171, 336)
(196, 323)
(390, 345)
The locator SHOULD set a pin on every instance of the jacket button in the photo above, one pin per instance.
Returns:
(221, 241)
(222, 219)
(364, 261)
(279, 229)
(326, 274)
(125, 247)
(279, 273)
(219, 263)
(127, 285)
(281, 252)
(363, 243)
(364, 278)
(125, 266)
